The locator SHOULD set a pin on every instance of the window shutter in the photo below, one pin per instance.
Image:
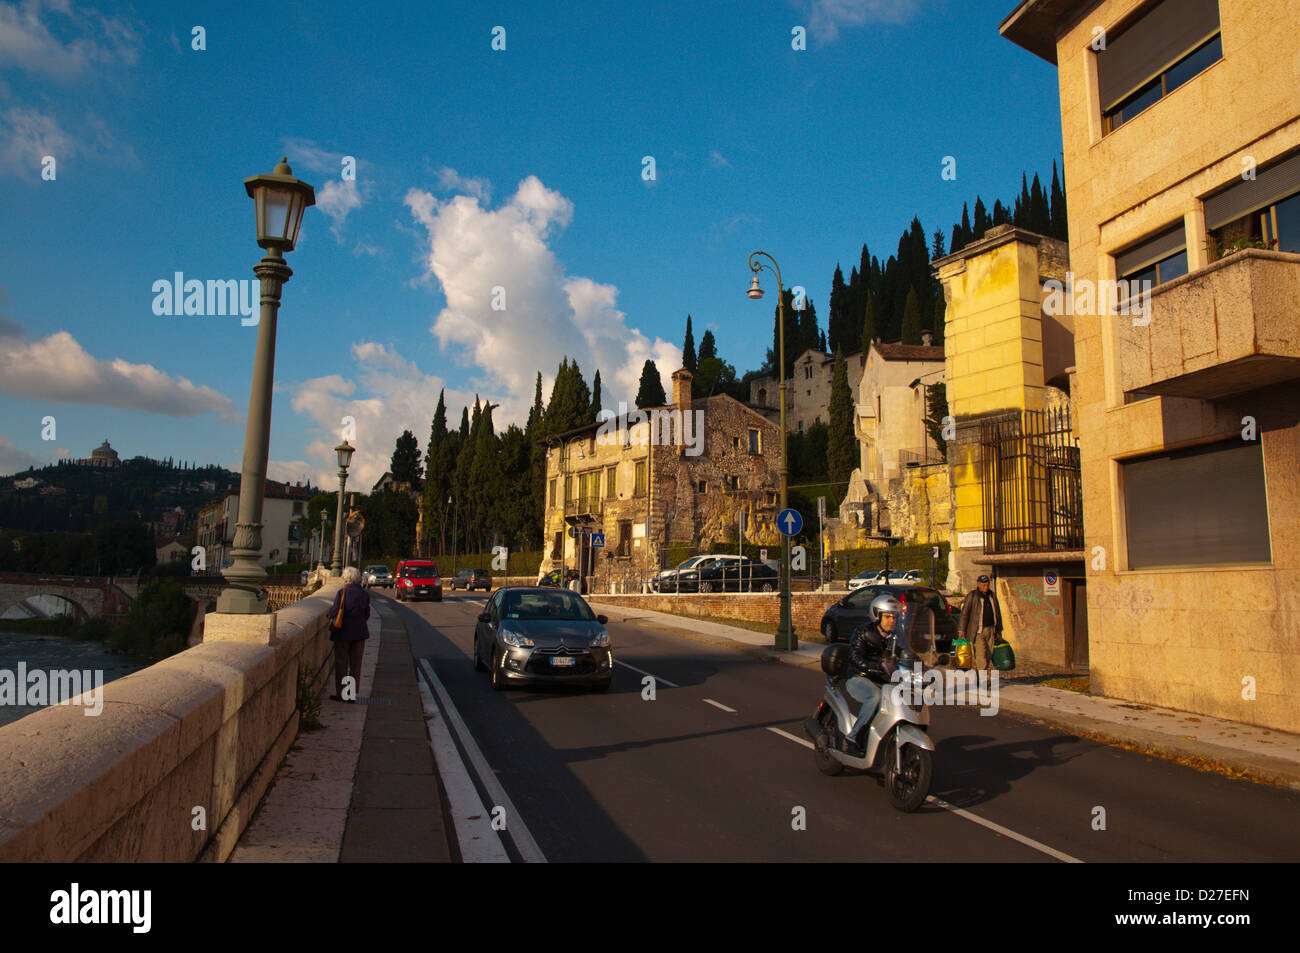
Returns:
(1152, 44)
(1151, 250)
(1277, 181)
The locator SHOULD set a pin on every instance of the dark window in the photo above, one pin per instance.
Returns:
(753, 441)
(1260, 212)
(1160, 51)
(1157, 260)
(625, 537)
(1201, 506)
(703, 487)
(557, 547)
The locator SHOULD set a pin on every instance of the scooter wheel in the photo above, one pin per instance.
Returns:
(826, 762)
(907, 787)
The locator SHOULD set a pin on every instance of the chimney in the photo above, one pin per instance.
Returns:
(682, 390)
(927, 338)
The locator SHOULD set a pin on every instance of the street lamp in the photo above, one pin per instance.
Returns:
(785, 636)
(345, 451)
(279, 201)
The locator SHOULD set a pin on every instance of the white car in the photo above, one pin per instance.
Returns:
(898, 577)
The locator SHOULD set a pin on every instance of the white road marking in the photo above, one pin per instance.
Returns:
(991, 825)
(710, 701)
(799, 741)
(515, 826)
(644, 672)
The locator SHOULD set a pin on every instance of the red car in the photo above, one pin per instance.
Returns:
(418, 579)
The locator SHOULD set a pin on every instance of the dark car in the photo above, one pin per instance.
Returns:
(729, 574)
(666, 581)
(925, 614)
(418, 579)
(552, 579)
(470, 579)
(532, 634)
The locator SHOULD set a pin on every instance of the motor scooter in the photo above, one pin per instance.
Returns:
(895, 740)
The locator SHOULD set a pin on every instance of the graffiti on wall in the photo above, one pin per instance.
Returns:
(1029, 608)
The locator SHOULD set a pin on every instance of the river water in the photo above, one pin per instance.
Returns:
(53, 653)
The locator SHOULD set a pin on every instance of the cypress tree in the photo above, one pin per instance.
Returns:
(708, 346)
(967, 236)
(595, 396)
(1060, 225)
(955, 243)
(982, 222)
(534, 435)
(911, 330)
(841, 447)
(869, 332)
(839, 324)
(937, 325)
(1040, 215)
(688, 348)
(651, 391)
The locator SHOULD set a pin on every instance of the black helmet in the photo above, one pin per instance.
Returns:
(835, 659)
(885, 603)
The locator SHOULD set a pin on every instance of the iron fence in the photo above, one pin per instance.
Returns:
(1031, 484)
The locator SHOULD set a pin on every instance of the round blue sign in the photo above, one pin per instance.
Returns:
(789, 522)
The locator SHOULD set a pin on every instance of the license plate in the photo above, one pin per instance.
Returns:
(562, 661)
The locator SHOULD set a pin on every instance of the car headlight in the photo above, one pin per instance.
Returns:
(515, 639)
(601, 641)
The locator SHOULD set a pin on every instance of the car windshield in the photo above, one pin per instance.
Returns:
(420, 572)
(376, 569)
(558, 606)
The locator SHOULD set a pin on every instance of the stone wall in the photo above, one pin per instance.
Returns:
(206, 728)
(806, 608)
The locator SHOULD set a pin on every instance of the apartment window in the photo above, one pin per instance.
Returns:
(753, 441)
(702, 487)
(733, 482)
(568, 488)
(801, 426)
(550, 493)
(1163, 49)
(1263, 212)
(807, 371)
(297, 508)
(639, 488)
(1157, 260)
(557, 546)
(611, 482)
(1201, 506)
(625, 537)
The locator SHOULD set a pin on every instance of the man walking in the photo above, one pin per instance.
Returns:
(981, 622)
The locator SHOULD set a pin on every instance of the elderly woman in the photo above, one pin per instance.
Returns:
(350, 638)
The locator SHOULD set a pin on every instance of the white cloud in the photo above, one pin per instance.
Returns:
(13, 460)
(392, 395)
(719, 160)
(337, 197)
(58, 369)
(449, 180)
(548, 315)
(825, 17)
(28, 43)
(29, 135)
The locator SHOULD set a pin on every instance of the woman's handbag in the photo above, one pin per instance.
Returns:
(338, 619)
(1004, 658)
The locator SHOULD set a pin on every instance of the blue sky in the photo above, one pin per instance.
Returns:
(476, 168)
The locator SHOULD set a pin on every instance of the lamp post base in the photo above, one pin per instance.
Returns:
(239, 601)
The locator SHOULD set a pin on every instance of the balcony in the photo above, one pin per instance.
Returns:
(1227, 329)
(584, 506)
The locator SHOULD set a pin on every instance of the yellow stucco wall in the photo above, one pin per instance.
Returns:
(1153, 636)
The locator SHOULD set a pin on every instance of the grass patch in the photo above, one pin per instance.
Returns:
(1078, 684)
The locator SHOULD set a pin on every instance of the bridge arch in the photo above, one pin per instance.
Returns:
(50, 597)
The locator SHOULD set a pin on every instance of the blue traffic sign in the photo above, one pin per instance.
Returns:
(597, 540)
(789, 522)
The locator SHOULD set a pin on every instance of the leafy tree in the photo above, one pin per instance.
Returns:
(650, 393)
(808, 454)
(157, 624)
(841, 446)
(715, 377)
(936, 407)
(688, 348)
(405, 463)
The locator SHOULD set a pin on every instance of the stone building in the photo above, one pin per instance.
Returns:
(808, 391)
(889, 422)
(679, 474)
(1182, 158)
(102, 456)
(283, 509)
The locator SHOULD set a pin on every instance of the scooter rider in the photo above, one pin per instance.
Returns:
(867, 657)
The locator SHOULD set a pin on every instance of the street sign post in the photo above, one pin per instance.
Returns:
(789, 522)
(597, 540)
(1051, 583)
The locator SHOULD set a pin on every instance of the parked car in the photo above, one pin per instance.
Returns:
(534, 634)
(377, 575)
(470, 579)
(921, 606)
(729, 574)
(895, 577)
(666, 581)
(552, 579)
(418, 579)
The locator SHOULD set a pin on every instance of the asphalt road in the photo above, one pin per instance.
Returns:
(615, 777)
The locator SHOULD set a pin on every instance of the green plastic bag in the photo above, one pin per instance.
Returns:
(1004, 658)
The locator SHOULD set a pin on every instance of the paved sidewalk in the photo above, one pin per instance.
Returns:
(1258, 753)
(364, 788)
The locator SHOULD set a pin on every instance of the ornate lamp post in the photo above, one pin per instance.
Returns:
(279, 201)
(785, 637)
(345, 451)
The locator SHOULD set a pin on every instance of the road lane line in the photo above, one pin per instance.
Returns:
(991, 825)
(710, 701)
(529, 852)
(644, 672)
(799, 741)
(479, 844)
(1006, 831)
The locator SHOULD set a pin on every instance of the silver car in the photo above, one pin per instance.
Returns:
(377, 575)
(534, 634)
